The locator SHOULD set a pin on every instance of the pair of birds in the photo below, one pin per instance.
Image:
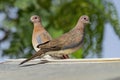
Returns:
(60, 47)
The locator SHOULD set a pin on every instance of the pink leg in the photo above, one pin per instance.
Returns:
(65, 57)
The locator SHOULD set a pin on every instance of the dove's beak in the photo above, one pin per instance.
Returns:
(89, 22)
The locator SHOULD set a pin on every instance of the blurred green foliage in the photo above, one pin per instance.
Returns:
(58, 17)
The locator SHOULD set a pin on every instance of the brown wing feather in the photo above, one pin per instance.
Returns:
(70, 39)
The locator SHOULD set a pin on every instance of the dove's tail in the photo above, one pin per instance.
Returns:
(37, 54)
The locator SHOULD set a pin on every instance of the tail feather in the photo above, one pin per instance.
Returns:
(39, 53)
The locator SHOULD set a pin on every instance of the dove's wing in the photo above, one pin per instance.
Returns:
(68, 40)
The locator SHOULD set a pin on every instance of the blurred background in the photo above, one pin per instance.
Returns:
(102, 38)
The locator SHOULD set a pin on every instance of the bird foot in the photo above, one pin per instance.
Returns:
(65, 57)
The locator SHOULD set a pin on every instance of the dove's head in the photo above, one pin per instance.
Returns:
(84, 19)
(35, 19)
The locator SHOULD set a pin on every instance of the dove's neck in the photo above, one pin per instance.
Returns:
(38, 26)
(80, 26)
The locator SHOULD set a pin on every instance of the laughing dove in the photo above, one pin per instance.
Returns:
(65, 44)
(40, 35)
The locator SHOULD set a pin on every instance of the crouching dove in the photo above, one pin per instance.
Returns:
(65, 44)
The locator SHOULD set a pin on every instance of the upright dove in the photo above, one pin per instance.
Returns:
(40, 35)
(65, 44)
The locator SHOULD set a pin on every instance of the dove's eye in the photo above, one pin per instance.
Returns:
(86, 19)
(35, 17)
